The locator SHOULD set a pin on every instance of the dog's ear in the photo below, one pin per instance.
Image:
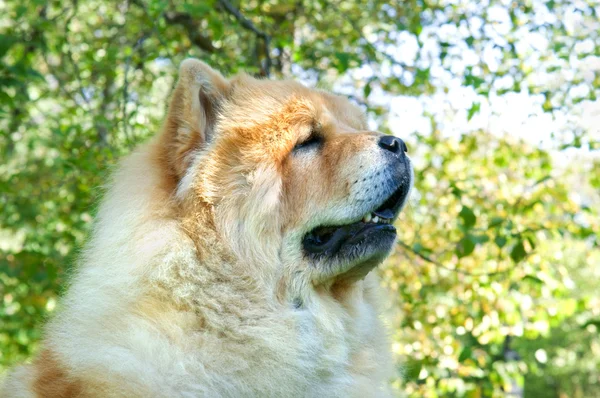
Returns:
(192, 113)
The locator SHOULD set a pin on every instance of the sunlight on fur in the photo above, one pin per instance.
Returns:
(231, 255)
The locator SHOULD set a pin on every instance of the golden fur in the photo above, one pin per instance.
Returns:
(193, 283)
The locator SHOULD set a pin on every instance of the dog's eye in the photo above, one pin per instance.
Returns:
(313, 141)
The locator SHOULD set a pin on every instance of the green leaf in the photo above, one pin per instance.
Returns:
(495, 221)
(467, 216)
(518, 252)
(541, 180)
(479, 238)
(472, 80)
(595, 322)
(473, 110)
(367, 90)
(500, 241)
(412, 369)
(35, 74)
(465, 354)
(20, 11)
(456, 191)
(533, 279)
(422, 75)
(218, 29)
(197, 9)
(343, 61)
(6, 42)
(465, 247)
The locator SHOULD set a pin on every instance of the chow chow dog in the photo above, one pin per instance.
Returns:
(231, 255)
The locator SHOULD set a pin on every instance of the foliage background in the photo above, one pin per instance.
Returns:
(493, 288)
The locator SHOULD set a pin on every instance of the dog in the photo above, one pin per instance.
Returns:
(231, 254)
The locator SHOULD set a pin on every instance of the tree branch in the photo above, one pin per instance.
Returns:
(458, 270)
(192, 28)
(248, 25)
(155, 30)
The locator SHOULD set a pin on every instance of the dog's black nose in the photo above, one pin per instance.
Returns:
(392, 144)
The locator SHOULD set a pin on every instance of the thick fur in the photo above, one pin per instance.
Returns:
(194, 283)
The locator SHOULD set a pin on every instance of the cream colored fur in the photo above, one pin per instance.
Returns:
(192, 289)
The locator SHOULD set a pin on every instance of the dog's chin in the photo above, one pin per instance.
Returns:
(367, 248)
(349, 251)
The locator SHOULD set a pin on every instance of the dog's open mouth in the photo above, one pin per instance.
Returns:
(374, 230)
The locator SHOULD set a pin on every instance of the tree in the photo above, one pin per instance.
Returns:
(478, 262)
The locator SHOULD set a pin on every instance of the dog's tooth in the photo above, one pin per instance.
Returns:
(367, 218)
(375, 219)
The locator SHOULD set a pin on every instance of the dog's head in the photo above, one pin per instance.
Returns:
(293, 180)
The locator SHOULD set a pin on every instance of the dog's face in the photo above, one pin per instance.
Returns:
(295, 181)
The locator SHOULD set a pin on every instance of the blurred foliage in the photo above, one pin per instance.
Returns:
(494, 281)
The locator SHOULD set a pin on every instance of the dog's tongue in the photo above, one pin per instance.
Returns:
(387, 213)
